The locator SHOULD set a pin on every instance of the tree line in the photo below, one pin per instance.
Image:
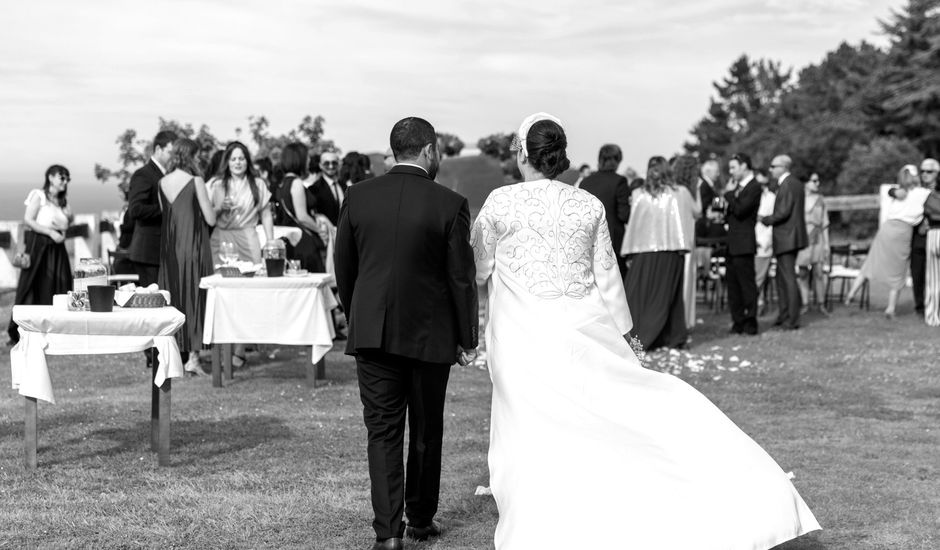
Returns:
(854, 118)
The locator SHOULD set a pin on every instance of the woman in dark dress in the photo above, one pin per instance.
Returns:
(185, 253)
(296, 204)
(46, 219)
(658, 237)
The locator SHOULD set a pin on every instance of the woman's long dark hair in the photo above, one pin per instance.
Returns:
(658, 176)
(352, 170)
(57, 170)
(249, 170)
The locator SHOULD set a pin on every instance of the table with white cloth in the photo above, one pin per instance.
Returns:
(54, 330)
(269, 310)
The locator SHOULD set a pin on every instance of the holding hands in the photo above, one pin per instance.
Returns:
(465, 357)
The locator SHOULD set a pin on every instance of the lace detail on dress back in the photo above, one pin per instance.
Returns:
(544, 232)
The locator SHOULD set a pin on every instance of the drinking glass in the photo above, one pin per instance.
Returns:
(227, 253)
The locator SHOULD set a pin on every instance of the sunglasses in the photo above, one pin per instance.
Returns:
(776, 166)
(330, 163)
(923, 171)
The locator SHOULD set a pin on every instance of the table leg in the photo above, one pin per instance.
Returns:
(227, 360)
(32, 416)
(154, 409)
(163, 454)
(316, 372)
(216, 366)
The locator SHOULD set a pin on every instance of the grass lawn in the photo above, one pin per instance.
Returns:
(850, 404)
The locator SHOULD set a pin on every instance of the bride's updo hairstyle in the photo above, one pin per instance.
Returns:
(546, 146)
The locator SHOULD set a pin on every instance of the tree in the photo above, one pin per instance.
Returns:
(746, 99)
(309, 132)
(133, 152)
(496, 145)
(878, 162)
(910, 78)
(450, 145)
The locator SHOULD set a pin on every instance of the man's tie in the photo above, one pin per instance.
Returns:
(337, 192)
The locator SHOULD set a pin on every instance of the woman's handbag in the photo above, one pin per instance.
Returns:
(22, 258)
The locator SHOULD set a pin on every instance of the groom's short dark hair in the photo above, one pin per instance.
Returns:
(410, 135)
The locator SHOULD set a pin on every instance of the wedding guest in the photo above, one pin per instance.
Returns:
(185, 253)
(144, 209)
(296, 202)
(764, 236)
(710, 227)
(265, 171)
(613, 191)
(890, 251)
(583, 172)
(352, 172)
(811, 261)
(789, 236)
(742, 197)
(46, 218)
(365, 162)
(240, 200)
(328, 191)
(928, 180)
(686, 170)
(655, 242)
(932, 217)
(215, 164)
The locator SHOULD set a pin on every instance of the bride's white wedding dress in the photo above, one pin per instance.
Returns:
(588, 449)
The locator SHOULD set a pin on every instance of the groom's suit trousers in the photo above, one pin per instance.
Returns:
(391, 386)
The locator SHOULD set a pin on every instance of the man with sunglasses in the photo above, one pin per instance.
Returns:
(928, 180)
(328, 190)
(789, 236)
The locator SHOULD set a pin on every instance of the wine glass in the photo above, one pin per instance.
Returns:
(227, 253)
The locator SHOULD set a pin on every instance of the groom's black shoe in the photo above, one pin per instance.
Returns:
(423, 533)
(393, 543)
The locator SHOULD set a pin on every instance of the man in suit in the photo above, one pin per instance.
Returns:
(328, 190)
(789, 223)
(143, 209)
(406, 276)
(613, 191)
(742, 196)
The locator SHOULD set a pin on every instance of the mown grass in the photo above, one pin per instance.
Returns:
(851, 405)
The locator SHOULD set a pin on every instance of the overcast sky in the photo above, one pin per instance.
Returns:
(73, 75)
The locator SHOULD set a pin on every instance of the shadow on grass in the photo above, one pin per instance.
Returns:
(191, 441)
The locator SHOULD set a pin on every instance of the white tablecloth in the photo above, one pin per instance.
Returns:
(53, 330)
(270, 310)
(292, 234)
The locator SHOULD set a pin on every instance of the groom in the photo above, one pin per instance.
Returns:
(405, 274)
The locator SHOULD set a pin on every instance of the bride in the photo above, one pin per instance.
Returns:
(588, 449)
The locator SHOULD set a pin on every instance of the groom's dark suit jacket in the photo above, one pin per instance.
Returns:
(405, 269)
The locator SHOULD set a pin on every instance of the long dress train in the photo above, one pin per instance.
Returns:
(587, 447)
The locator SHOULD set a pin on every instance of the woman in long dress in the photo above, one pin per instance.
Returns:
(890, 251)
(811, 260)
(185, 252)
(659, 237)
(46, 218)
(580, 432)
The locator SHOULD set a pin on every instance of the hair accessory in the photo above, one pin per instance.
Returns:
(519, 142)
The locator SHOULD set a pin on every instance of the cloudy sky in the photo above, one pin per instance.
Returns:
(73, 75)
